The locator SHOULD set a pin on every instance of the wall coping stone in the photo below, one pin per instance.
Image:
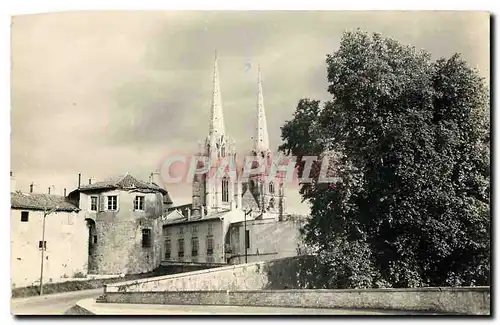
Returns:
(419, 289)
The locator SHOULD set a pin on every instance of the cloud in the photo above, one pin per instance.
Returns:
(106, 92)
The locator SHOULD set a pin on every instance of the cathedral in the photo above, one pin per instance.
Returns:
(260, 194)
(233, 219)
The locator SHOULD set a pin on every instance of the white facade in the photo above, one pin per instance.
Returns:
(66, 254)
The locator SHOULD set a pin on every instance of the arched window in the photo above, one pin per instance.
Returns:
(225, 190)
(281, 189)
(271, 188)
(223, 151)
(271, 203)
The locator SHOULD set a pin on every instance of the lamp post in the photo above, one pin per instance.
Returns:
(45, 214)
(245, 233)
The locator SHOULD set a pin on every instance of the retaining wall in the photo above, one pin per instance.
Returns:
(472, 301)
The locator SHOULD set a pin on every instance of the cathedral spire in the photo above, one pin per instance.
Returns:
(262, 137)
(216, 116)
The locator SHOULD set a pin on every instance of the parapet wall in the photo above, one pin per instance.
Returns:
(467, 301)
(262, 284)
(284, 273)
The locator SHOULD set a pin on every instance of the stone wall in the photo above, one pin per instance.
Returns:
(472, 301)
(276, 274)
(118, 247)
(262, 284)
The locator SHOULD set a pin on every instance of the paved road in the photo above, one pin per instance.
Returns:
(53, 304)
(58, 304)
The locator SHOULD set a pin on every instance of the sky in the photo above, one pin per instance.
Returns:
(105, 93)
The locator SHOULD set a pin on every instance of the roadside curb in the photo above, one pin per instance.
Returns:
(82, 307)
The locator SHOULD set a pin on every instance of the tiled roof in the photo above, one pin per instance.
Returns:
(212, 216)
(126, 182)
(37, 201)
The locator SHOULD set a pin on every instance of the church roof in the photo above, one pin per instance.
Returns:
(39, 201)
(125, 182)
(249, 201)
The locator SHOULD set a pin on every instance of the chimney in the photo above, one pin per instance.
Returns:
(12, 183)
(79, 179)
(65, 192)
(31, 187)
(90, 181)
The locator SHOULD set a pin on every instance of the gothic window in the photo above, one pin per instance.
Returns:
(271, 203)
(271, 188)
(225, 190)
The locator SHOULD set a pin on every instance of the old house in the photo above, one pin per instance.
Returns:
(65, 244)
(124, 219)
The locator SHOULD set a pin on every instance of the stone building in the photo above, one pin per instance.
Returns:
(65, 244)
(202, 234)
(124, 219)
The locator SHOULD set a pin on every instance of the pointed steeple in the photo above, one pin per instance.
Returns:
(216, 116)
(262, 138)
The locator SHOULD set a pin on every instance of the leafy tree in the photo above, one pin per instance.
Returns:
(408, 139)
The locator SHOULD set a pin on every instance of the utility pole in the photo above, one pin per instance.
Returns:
(45, 214)
(245, 233)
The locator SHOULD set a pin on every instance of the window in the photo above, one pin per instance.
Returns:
(271, 203)
(24, 216)
(44, 245)
(167, 231)
(210, 246)
(113, 203)
(194, 246)
(181, 247)
(168, 248)
(146, 237)
(247, 238)
(139, 203)
(210, 228)
(181, 230)
(194, 229)
(93, 203)
(225, 190)
(95, 239)
(271, 188)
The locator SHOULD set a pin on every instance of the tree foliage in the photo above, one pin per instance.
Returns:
(408, 138)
